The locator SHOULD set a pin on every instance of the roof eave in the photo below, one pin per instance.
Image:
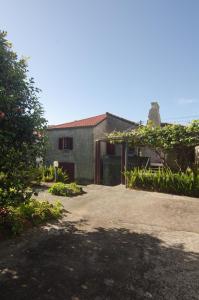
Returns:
(72, 127)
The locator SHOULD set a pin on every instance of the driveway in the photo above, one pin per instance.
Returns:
(113, 243)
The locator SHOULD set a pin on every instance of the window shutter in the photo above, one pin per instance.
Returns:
(60, 144)
(70, 143)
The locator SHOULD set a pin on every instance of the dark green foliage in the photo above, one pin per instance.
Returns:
(22, 126)
(19, 188)
(182, 183)
(70, 189)
(14, 220)
(173, 138)
(48, 174)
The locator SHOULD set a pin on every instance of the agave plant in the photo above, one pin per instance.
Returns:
(181, 183)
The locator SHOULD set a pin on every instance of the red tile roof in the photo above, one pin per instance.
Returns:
(93, 121)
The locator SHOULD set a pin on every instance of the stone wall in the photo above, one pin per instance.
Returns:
(111, 165)
(110, 124)
(81, 154)
(111, 170)
(107, 126)
(118, 124)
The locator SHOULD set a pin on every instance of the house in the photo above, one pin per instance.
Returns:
(81, 148)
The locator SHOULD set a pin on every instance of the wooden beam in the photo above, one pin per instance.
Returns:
(126, 162)
(97, 162)
(122, 163)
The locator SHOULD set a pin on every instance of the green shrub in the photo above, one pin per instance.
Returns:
(182, 183)
(61, 175)
(30, 213)
(14, 191)
(22, 126)
(61, 189)
(48, 174)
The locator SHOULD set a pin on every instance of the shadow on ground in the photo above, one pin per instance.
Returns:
(106, 264)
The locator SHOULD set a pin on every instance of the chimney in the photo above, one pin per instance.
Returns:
(154, 114)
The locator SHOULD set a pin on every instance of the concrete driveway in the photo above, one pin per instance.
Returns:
(113, 243)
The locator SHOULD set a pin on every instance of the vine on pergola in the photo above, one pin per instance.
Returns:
(175, 138)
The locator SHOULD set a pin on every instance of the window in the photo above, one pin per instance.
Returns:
(68, 143)
(65, 143)
(110, 149)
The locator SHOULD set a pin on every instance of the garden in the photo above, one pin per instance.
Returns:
(179, 183)
(174, 145)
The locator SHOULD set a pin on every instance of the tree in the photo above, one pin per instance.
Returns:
(174, 138)
(22, 125)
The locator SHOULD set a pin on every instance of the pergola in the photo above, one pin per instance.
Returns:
(124, 159)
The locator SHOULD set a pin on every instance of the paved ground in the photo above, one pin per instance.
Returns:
(112, 244)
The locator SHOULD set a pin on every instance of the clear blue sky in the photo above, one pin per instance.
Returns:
(93, 56)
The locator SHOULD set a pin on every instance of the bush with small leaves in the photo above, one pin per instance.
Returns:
(70, 189)
(14, 220)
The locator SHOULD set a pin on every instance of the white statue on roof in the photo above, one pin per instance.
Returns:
(154, 114)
